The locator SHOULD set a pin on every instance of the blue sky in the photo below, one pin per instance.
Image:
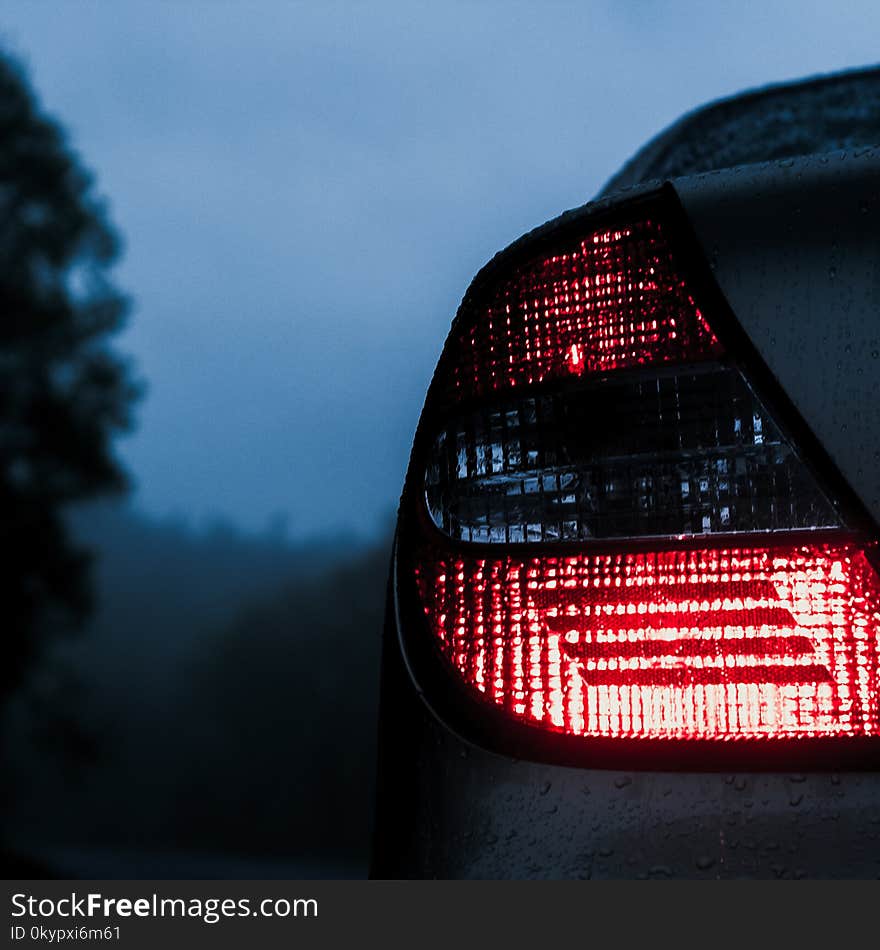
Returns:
(305, 191)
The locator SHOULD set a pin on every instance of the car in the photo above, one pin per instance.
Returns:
(633, 622)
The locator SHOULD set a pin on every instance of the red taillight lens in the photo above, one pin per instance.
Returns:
(609, 300)
(685, 644)
(611, 535)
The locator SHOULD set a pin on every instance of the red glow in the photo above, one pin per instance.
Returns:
(612, 300)
(689, 644)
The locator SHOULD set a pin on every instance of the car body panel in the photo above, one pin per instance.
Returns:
(794, 246)
(830, 113)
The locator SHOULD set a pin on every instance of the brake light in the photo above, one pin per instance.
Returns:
(687, 644)
(618, 539)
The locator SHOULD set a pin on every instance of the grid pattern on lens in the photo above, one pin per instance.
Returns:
(688, 644)
(609, 301)
(685, 453)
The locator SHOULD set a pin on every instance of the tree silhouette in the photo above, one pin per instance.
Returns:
(63, 392)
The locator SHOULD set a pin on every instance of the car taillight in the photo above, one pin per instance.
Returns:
(609, 533)
(719, 643)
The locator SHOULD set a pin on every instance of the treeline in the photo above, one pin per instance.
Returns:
(222, 698)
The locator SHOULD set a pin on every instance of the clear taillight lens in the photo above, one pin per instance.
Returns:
(687, 576)
(627, 456)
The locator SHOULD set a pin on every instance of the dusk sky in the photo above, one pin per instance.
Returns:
(306, 189)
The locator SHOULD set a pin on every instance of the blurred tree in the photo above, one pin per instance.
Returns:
(63, 392)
